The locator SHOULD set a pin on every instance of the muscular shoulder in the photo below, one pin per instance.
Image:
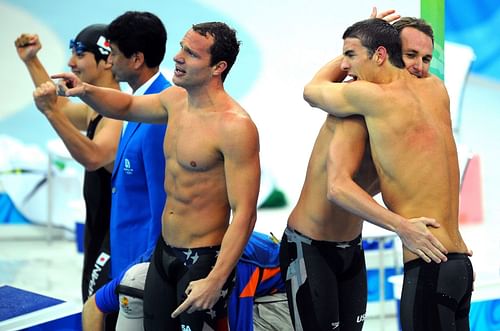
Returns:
(236, 120)
(238, 130)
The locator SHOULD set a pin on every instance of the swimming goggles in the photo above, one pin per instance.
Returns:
(78, 47)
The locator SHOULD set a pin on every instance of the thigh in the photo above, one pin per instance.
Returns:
(159, 299)
(311, 287)
(211, 319)
(353, 293)
(437, 296)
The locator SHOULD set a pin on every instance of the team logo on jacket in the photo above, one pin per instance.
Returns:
(128, 167)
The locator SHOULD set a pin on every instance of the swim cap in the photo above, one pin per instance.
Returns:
(91, 39)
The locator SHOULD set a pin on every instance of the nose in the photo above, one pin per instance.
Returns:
(344, 65)
(418, 65)
(71, 61)
(178, 58)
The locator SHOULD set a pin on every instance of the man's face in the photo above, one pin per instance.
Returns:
(83, 64)
(356, 61)
(192, 62)
(417, 51)
(122, 67)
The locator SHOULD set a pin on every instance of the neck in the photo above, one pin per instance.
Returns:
(206, 95)
(142, 77)
(387, 74)
(108, 81)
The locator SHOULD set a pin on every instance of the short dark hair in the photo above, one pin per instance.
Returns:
(225, 47)
(376, 32)
(416, 23)
(142, 32)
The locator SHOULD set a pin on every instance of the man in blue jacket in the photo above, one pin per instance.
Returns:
(138, 42)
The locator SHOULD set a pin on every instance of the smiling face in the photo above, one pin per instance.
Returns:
(192, 62)
(83, 64)
(417, 51)
(356, 61)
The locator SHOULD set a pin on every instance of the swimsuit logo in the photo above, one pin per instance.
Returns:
(99, 264)
(360, 318)
(128, 167)
(102, 259)
(185, 327)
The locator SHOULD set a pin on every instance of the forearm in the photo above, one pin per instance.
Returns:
(232, 246)
(353, 198)
(108, 102)
(326, 90)
(82, 149)
(92, 317)
(330, 72)
(37, 71)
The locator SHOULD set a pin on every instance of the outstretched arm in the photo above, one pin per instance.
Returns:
(345, 156)
(242, 173)
(151, 108)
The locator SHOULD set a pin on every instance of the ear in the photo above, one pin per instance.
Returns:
(108, 65)
(219, 68)
(380, 55)
(138, 59)
(104, 64)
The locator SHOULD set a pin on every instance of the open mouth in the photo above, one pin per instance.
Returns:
(179, 71)
(350, 78)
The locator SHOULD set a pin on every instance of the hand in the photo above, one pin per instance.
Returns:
(418, 239)
(27, 46)
(69, 85)
(45, 97)
(387, 15)
(201, 295)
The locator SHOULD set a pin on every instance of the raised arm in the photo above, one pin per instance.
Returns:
(346, 152)
(151, 108)
(242, 172)
(68, 118)
(28, 46)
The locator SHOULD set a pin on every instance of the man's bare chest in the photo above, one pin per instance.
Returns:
(193, 143)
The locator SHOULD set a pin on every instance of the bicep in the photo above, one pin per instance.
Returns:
(242, 167)
(154, 108)
(76, 112)
(148, 108)
(107, 137)
(331, 97)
